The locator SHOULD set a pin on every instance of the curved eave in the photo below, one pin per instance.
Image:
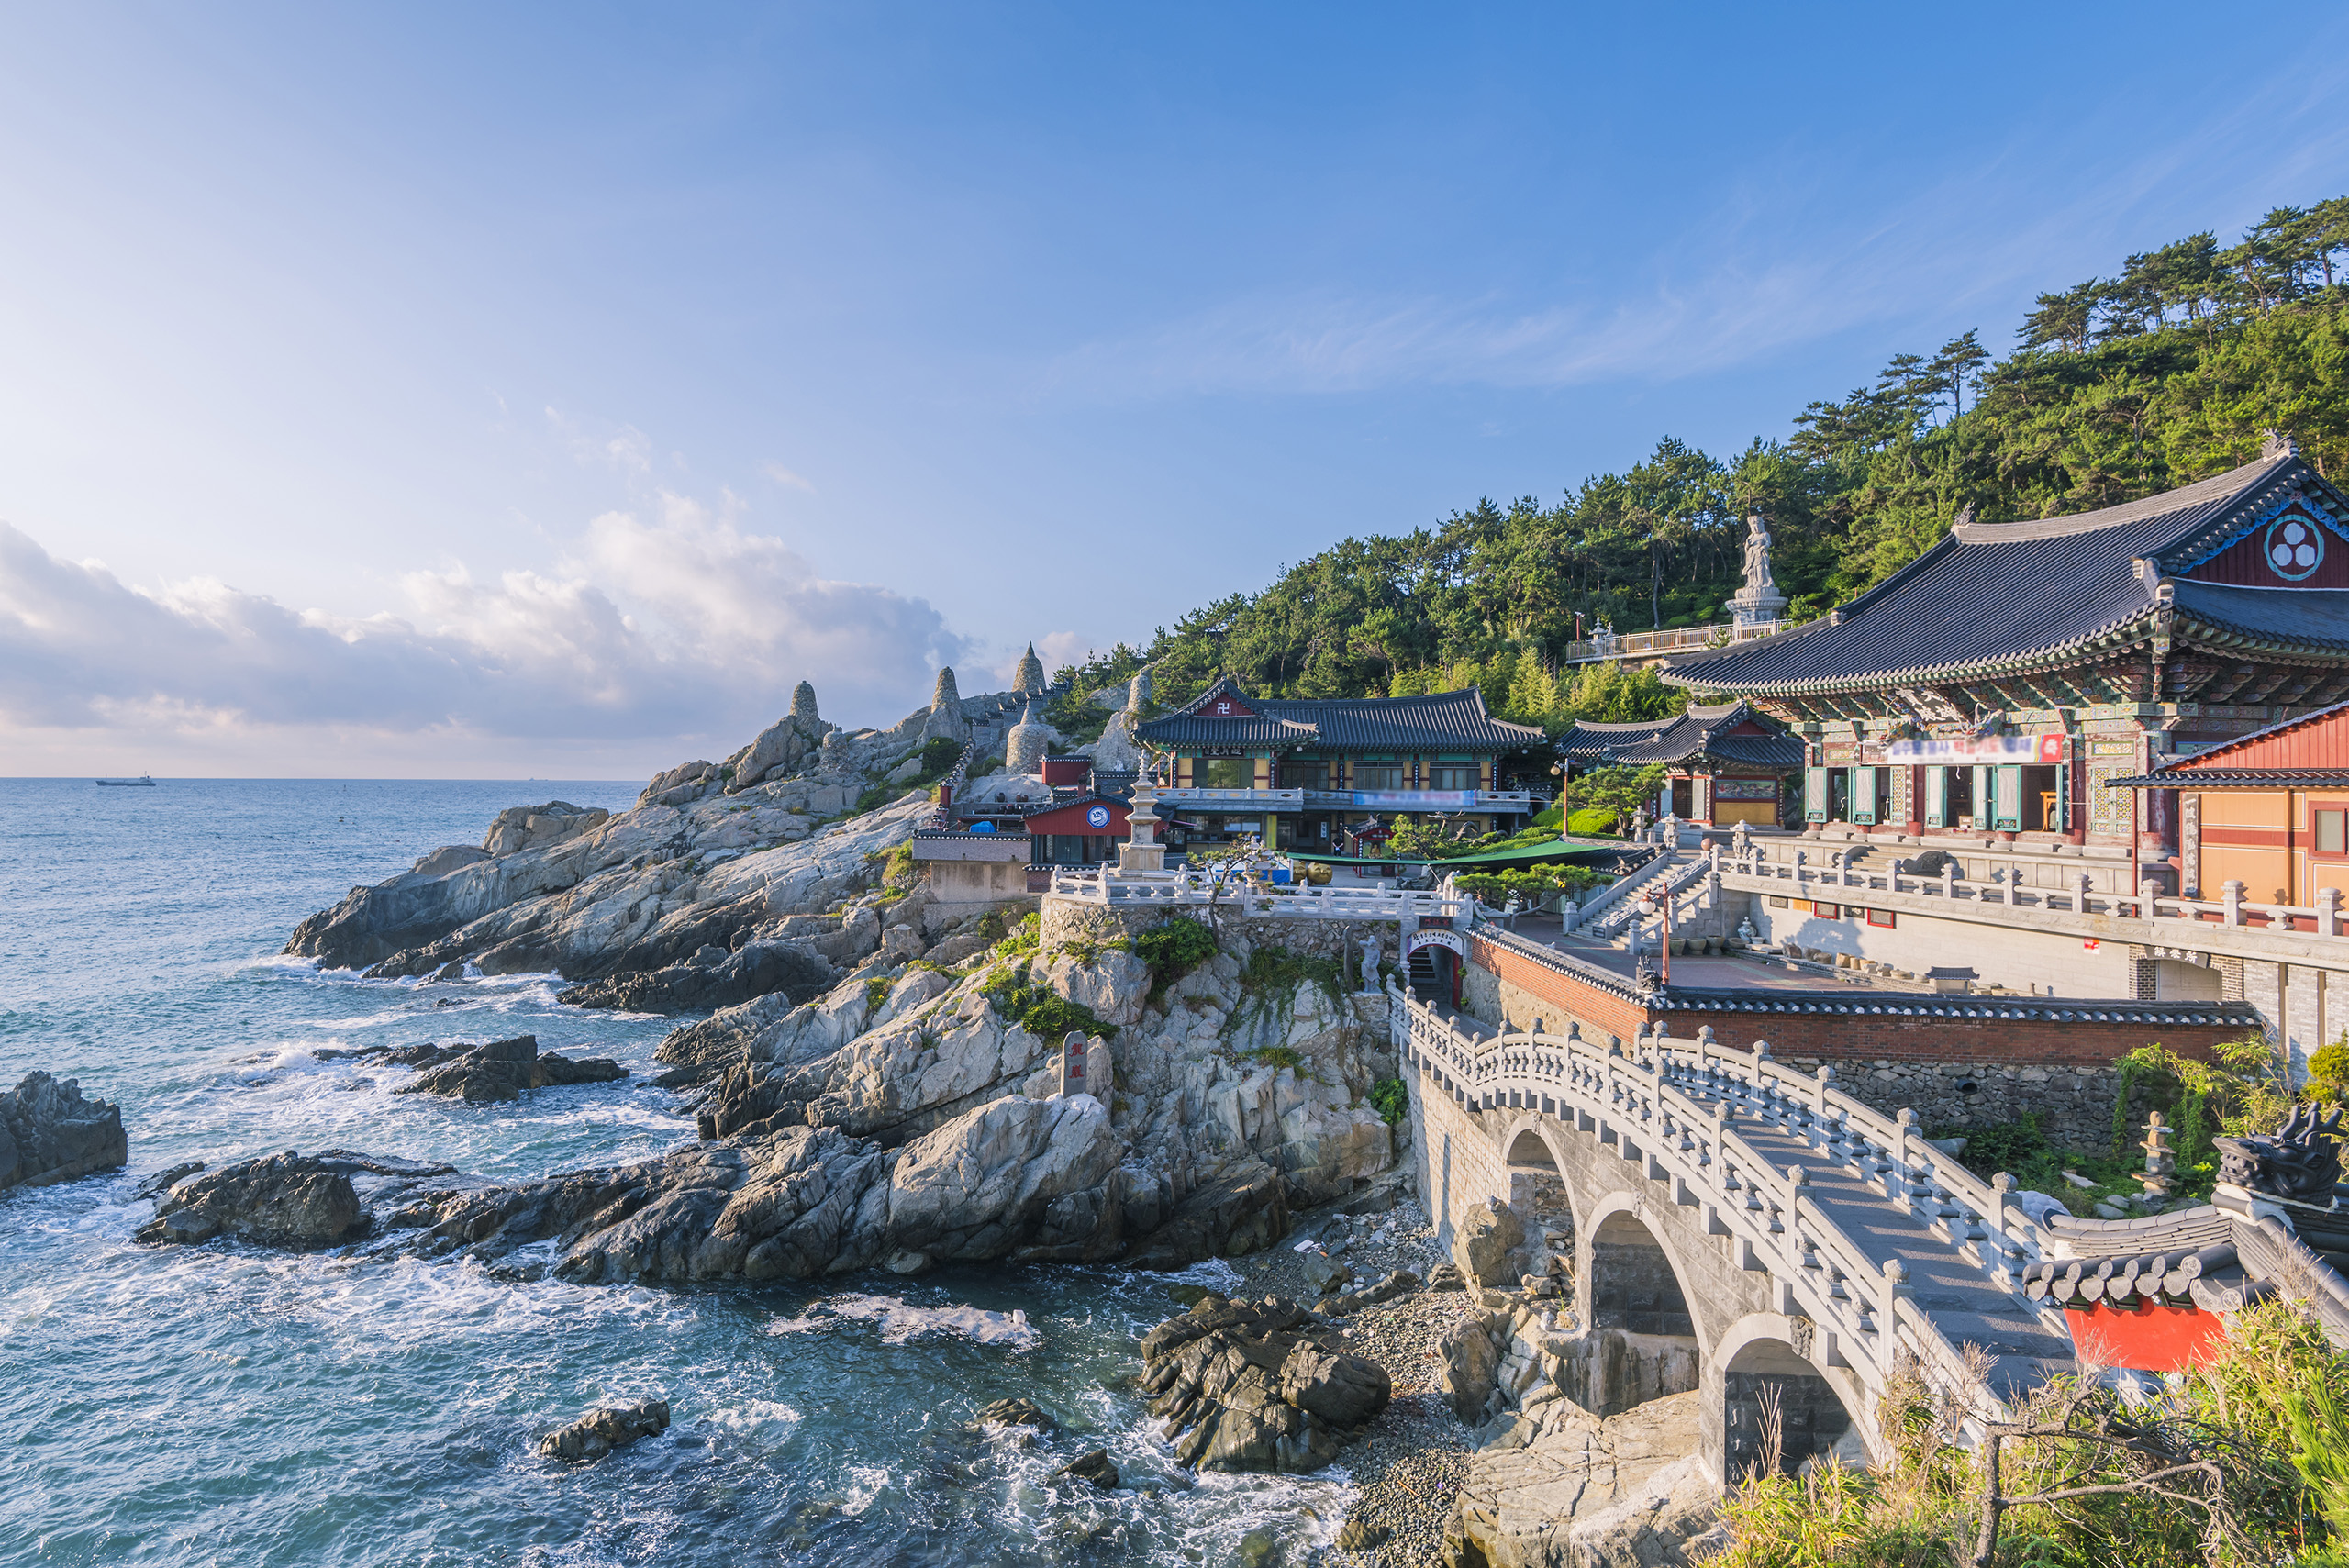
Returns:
(2213, 633)
(2117, 634)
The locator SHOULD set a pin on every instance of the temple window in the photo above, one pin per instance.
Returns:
(1226, 773)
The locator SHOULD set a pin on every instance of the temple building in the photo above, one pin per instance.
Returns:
(1304, 772)
(2265, 819)
(1726, 764)
(1999, 682)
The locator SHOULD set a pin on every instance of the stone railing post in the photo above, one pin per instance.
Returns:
(2147, 891)
(1949, 879)
(2328, 911)
(2231, 894)
(2002, 1188)
(2080, 898)
(1904, 1138)
(1888, 1323)
(1821, 1095)
(1704, 1049)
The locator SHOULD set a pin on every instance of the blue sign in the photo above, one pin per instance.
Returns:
(1096, 817)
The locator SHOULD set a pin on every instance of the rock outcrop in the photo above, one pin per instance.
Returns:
(501, 1070)
(50, 1133)
(606, 1428)
(1016, 1179)
(289, 1200)
(1566, 1489)
(712, 978)
(1258, 1386)
(712, 855)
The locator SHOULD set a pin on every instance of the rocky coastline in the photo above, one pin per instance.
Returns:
(880, 1083)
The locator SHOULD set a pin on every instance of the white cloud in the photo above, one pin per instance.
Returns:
(785, 478)
(662, 637)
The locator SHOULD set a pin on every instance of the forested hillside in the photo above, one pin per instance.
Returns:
(2118, 387)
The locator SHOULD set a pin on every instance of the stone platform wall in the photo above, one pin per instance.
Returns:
(1068, 921)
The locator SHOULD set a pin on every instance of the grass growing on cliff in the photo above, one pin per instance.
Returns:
(1276, 1057)
(1172, 950)
(1391, 1100)
(1042, 1011)
(1278, 973)
(1021, 940)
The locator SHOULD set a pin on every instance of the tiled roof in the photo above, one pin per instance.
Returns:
(1995, 595)
(2176, 777)
(1699, 731)
(1442, 721)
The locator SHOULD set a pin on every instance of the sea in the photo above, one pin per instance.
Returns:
(225, 1405)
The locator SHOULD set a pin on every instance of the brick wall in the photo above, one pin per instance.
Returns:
(2019, 1042)
(1952, 1071)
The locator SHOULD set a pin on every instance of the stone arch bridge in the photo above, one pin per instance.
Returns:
(1800, 1244)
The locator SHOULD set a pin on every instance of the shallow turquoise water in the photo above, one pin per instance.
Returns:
(221, 1404)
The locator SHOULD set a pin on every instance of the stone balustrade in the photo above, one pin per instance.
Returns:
(2186, 921)
(1689, 1111)
(1170, 888)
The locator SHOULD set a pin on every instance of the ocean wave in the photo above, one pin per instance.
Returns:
(900, 1321)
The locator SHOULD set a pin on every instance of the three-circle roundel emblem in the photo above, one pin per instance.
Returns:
(1098, 817)
(2294, 546)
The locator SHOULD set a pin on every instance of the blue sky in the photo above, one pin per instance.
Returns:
(545, 390)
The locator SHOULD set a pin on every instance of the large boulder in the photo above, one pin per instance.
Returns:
(50, 1133)
(282, 1200)
(294, 1200)
(1019, 1177)
(1113, 985)
(449, 857)
(521, 827)
(1248, 1386)
(1484, 1241)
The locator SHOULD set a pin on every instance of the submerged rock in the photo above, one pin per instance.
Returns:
(1093, 1466)
(1014, 1413)
(606, 1428)
(50, 1133)
(1265, 1387)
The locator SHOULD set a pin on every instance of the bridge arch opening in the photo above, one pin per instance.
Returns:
(1633, 1285)
(1537, 1195)
(1778, 1411)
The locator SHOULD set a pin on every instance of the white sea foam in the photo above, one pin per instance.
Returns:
(761, 1422)
(900, 1321)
